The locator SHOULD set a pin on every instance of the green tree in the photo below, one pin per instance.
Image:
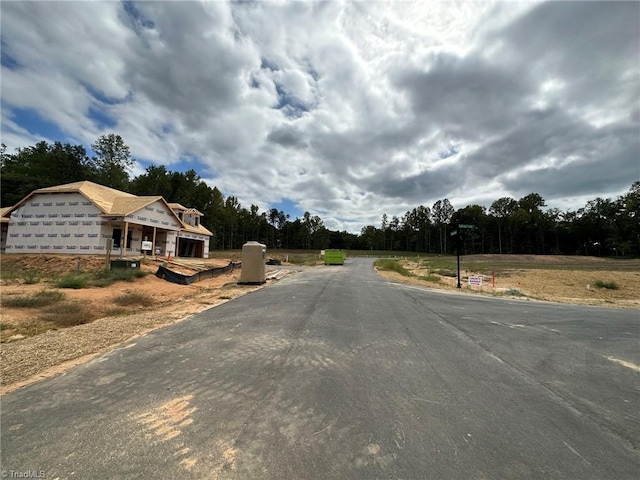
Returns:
(441, 213)
(42, 165)
(112, 161)
(155, 181)
(533, 223)
(369, 236)
(502, 210)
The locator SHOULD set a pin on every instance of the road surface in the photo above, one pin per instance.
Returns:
(336, 373)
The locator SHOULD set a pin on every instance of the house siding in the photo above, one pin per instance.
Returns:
(155, 215)
(55, 223)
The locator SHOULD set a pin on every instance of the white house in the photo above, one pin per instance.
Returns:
(84, 218)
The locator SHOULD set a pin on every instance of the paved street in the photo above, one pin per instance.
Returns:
(336, 373)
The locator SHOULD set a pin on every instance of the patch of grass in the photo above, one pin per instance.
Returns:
(67, 314)
(73, 280)
(32, 327)
(31, 277)
(444, 272)
(101, 278)
(37, 300)
(106, 277)
(392, 265)
(10, 270)
(607, 285)
(225, 297)
(4, 326)
(430, 278)
(514, 293)
(133, 299)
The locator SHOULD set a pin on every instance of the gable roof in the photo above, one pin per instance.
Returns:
(4, 214)
(124, 206)
(183, 209)
(199, 229)
(103, 197)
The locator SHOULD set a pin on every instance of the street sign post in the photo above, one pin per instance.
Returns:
(460, 227)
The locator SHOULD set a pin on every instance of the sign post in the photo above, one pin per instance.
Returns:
(458, 234)
(454, 233)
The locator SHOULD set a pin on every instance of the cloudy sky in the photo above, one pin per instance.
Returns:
(345, 109)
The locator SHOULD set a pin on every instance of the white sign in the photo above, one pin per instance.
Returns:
(475, 281)
(147, 245)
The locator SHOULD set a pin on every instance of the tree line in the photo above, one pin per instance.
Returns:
(606, 227)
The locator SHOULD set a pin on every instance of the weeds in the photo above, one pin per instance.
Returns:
(514, 293)
(37, 300)
(67, 314)
(73, 280)
(133, 299)
(105, 277)
(607, 285)
(4, 326)
(393, 266)
(32, 328)
(430, 278)
(444, 272)
(31, 277)
(102, 278)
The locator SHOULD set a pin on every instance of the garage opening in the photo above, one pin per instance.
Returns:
(191, 248)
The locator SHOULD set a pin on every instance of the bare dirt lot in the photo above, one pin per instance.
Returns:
(42, 341)
(579, 280)
(35, 347)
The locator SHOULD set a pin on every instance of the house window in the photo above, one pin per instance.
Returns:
(197, 221)
(117, 238)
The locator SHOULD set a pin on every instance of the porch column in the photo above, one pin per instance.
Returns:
(124, 243)
(154, 240)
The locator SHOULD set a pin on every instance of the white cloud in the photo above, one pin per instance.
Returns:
(350, 109)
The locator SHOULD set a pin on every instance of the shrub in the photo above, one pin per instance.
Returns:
(37, 300)
(607, 285)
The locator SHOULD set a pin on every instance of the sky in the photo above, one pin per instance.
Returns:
(347, 110)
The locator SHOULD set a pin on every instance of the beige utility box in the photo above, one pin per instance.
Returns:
(253, 263)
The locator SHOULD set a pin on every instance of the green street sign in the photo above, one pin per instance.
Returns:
(466, 225)
(453, 232)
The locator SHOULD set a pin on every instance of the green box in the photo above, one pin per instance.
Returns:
(125, 264)
(334, 257)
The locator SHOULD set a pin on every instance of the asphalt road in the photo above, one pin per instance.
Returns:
(336, 373)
